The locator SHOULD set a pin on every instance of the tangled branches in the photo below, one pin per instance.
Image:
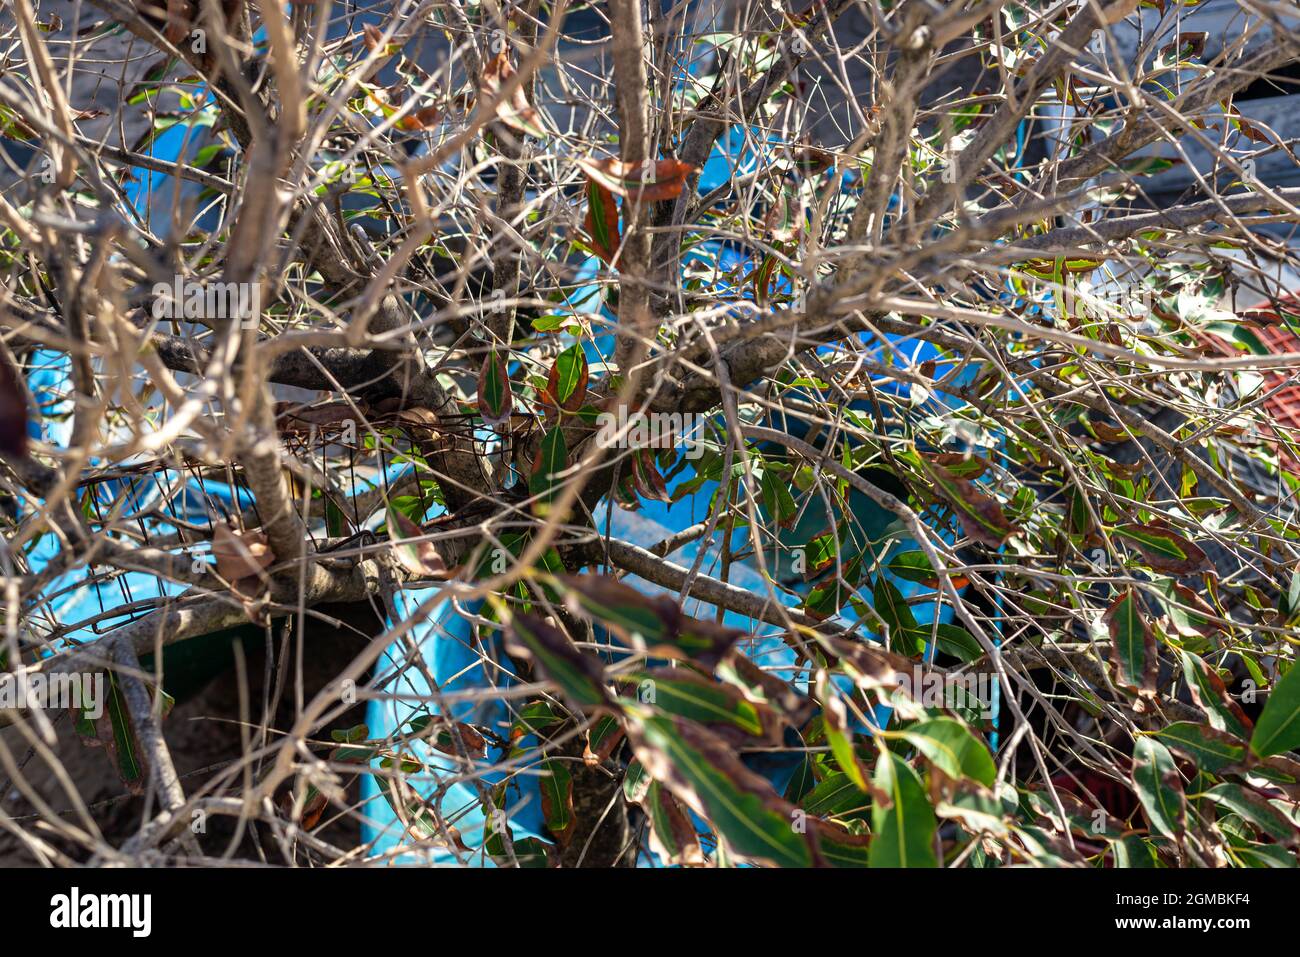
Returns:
(866, 427)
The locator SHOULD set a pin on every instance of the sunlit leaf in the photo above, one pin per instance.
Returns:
(1278, 727)
(1158, 786)
(1163, 550)
(952, 748)
(902, 821)
(654, 622)
(719, 707)
(980, 514)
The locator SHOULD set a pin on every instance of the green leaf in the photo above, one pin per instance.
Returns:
(1278, 727)
(842, 743)
(634, 616)
(1211, 696)
(837, 846)
(1267, 855)
(1149, 165)
(762, 278)
(893, 609)
(1164, 551)
(1280, 770)
(495, 399)
(1134, 851)
(1079, 817)
(835, 796)
(528, 852)
(1289, 601)
(1211, 749)
(721, 708)
(1189, 612)
(556, 785)
(827, 598)
(802, 781)
(552, 459)
(956, 641)
(700, 769)
(1080, 518)
(1135, 645)
(1158, 787)
(767, 689)
(1240, 334)
(535, 718)
(355, 755)
(913, 566)
(1270, 821)
(113, 731)
(978, 811)
(636, 782)
(820, 554)
(902, 821)
(652, 622)
(567, 383)
(579, 676)
(358, 732)
(553, 322)
(604, 737)
(777, 500)
(419, 819)
(980, 514)
(125, 751)
(952, 748)
(601, 222)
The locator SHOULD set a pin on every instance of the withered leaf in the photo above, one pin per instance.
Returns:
(417, 557)
(240, 553)
(650, 181)
(513, 110)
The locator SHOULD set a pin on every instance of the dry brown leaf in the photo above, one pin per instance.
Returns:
(240, 554)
